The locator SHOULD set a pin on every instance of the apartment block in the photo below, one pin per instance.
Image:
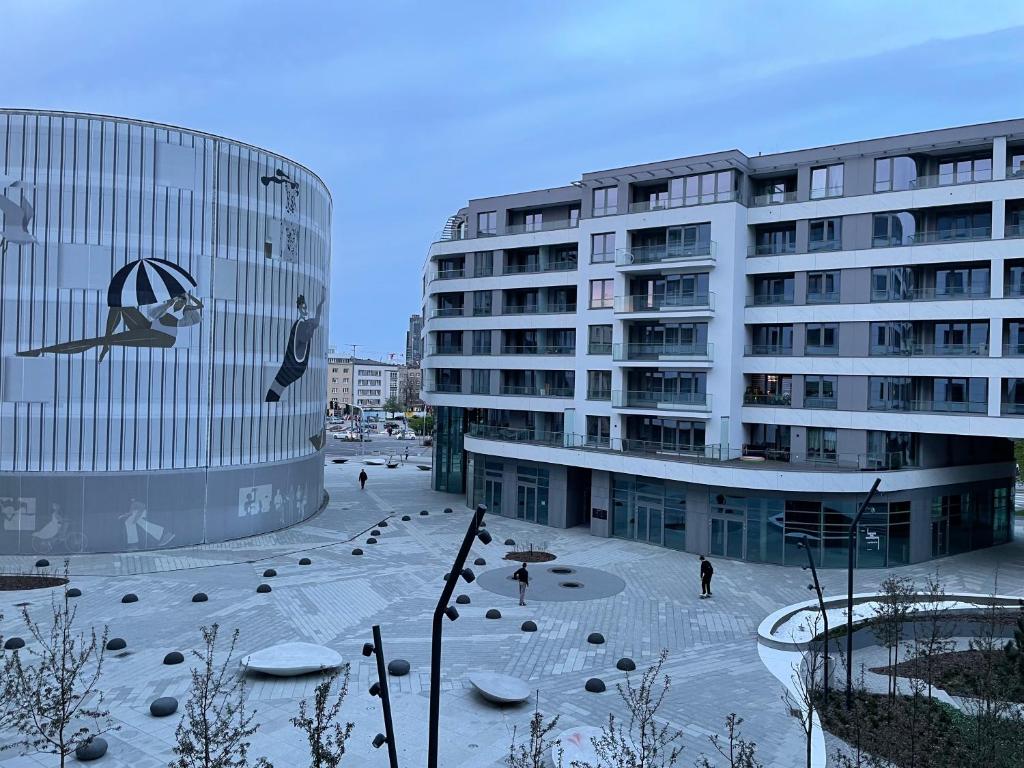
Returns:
(720, 353)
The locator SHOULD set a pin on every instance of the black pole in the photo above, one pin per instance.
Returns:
(435, 641)
(852, 545)
(385, 697)
(824, 615)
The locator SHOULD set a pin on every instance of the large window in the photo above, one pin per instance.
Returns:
(481, 342)
(602, 248)
(965, 171)
(892, 229)
(602, 294)
(482, 303)
(821, 444)
(827, 181)
(820, 391)
(649, 510)
(483, 263)
(895, 173)
(532, 493)
(606, 201)
(487, 223)
(599, 340)
(599, 385)
(599, 431)
(481, 382)
(823, 287)
(822, 339)
(825, 235)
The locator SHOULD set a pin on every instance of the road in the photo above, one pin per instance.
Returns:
(381, 445)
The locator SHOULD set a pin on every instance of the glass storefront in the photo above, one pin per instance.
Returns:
(653, 511)
(971, 520)
(487, 484)
(532, 483)
(449, 455)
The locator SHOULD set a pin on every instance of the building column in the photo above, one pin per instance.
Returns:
(995, 395)
(999, 158)
(998, 219)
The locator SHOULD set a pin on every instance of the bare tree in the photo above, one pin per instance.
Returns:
(55, 692)
(933, 631)
(326, 736)
(215, 729)
(643, 742)
(737, 751)
(1014, 647)
(532, 753)
(802, 700)
(893, 606)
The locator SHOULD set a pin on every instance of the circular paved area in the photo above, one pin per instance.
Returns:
(548, 586)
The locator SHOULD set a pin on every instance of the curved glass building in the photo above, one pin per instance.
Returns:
(163, 331)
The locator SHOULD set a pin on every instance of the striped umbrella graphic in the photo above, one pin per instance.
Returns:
(148, 281)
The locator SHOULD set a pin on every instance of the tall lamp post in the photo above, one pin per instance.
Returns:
(444, 609)
(816, 586)
(852, 546)
(380, 688)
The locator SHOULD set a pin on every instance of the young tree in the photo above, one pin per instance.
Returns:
(802, 700)
(391, 405)
(215, 728)
(533, 753)
(643, 742)
(1014, 647)
(933, 632)
(893, 606)
(55, 692)
(326, 736)
(737, 751)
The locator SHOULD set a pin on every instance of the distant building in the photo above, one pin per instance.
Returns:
(364, 383)
(410, 380)
(414, 341)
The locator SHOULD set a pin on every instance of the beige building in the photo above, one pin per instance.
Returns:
(364, 383)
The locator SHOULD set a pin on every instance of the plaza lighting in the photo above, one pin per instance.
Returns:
(852, 546)
(380, 688)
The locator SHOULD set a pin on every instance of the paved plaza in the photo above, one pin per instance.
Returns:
(713, 656)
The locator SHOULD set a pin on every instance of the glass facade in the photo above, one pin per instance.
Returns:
(649, 510)
(449, 455)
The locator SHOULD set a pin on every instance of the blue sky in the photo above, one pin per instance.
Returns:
(407, 109)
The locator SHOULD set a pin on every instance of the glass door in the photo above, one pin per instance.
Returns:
(526, 509)
(492, 496)
(728, 536)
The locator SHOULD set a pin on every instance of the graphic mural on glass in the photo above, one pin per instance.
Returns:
(148, 300)
(289, 232)
(17, 215)
(296, 353)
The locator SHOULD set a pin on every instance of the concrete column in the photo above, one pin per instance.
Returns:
(995, 394)
(600, 499)
(997, 278)
(999, 158)
(998, 219)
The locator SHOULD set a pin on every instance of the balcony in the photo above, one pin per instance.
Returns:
(656, 254)
(447, 389)
(538, 349)
(561, 266)
(664, 203)
(823, 246)
(952, 178)
(536, 309)
(772, 249)
(599, 394)
(517, 435)
(543, 226)
(1011, 409)
(821, 403)
(541, 390)
(662, 352)
(1013, 230)
(662, 401)
(769, 299)
(932, 350)
(447, 312)
(772, 198)
(962, 235)
(929, 406)
(444, 350)
(931, 294)
(821, 350)
(449, 274)
(779, 400)
(1013, 350)
(663, 302)
(521, 269)
(765, 350)
(599, 348)
(823, 297)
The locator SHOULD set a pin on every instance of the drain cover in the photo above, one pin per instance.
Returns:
(570, 584)
(561, 569)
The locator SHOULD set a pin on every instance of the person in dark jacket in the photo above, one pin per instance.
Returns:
(706, 572)
(523, 577)
(362, 479)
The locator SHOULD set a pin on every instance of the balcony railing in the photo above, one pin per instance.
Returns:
(758, 350)
(444, 350)
(599, 394)
(566, 265)
(661, 204)
(824, 403)
(668, 401)
(599, 348)
(780, 400)
(543, 226)
(536, 309)
(1011, 409)
(448, 389)
(772, 198)
(664, 302)
(832, 244)
(538, 349)
(1013, 289)
(521, 269)
(664, 352)
(772, 249)
(517, 434)
(447, 312)
(481, 351)
(449, 274)
(951, 179)
(769, 299)
(821, 350)
(929, 406)
(1013, 230)
(537, 390)
(654, 254)
(958, 235)
(1013, 350)
(932, 350)
(931, 294)
(823, 297)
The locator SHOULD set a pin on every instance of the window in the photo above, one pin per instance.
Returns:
(599, 385)
(892, 229)
(965, 171)
(822, 287)
(599, 431)
(533, 222)
(822, 339)
(481, 342)
(606, 201)
(487, 223)
(825, 235)
(481, 382)
(599, 340)
(602, 248)
(601, 296)
(482, 303)
(483, 263)
(821, 444)
(820, 391)
(827, 181)
(574, 217)
(895, 173)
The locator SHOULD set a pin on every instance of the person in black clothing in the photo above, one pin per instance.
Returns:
(706, 572)
(362, 479)
(523, 577)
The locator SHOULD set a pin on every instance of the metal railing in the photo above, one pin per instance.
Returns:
(931, 294)
(757, 350)
(517, 434)
(673, 401)
(772, 249)
(660, 301)
(654, 254)
(565, 265)
(1013, 289)
(823, 297)
(956, 235)
(821, 350)
(931, 350)
(1013, 350)
(782, 400)
(661, 204)
(932, 180)
(443, 350)
(1012, 409)
(481, 351)
(537, 390)
(832, 244)
(545, 225)
(828, 403)
(599, 394)
(536, 309)
(538, 349)
(769, 299)
(929, 406)
(448, 389)
(447, 312)
(1013, 230)
(599, 348)
(662, 352)
(772, 198)
(448, 274)
(521, 269)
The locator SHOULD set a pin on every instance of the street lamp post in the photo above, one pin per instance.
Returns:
(442, 610)
(380, 688)
(816, 586)
(852, 547)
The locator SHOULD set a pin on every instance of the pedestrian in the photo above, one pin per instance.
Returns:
(406, 453)
(523, 577)
(706, 572)
(362, 479)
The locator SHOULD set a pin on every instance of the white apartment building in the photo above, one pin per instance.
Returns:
(364, 383)
(720, 353)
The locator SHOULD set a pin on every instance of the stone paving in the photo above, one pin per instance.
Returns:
(713, 658)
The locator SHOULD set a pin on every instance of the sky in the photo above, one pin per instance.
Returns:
(409, 109)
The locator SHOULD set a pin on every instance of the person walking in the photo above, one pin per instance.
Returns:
(362, 479)
(406, 454)
(523, 577)
(706, 572)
